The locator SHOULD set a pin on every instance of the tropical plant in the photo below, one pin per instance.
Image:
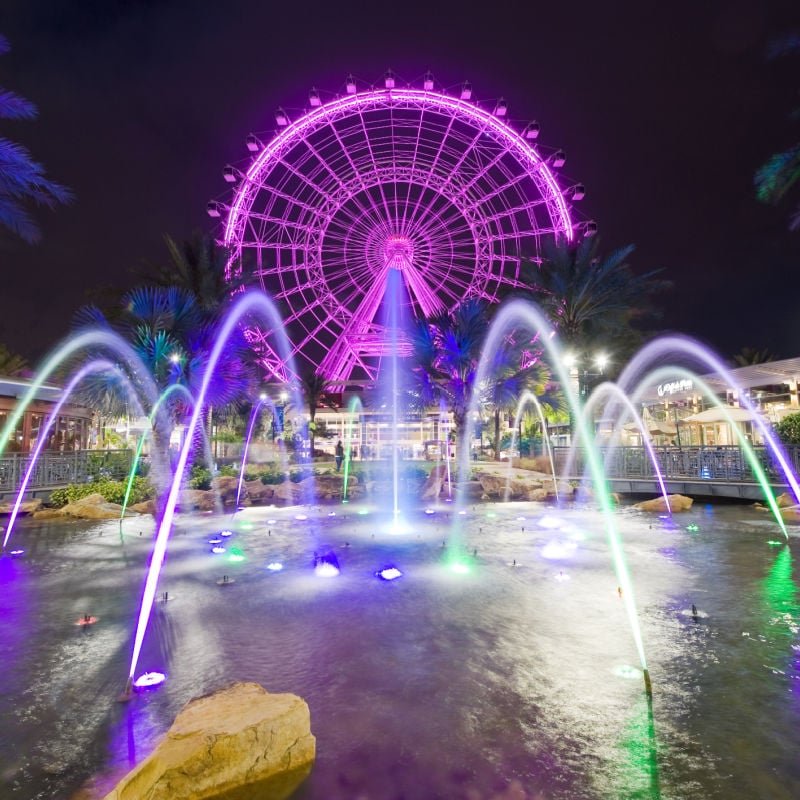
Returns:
(593, 302)
(512, 372)
(749, 356)
(174, 337)
(788, 429)
(445, 353)
(314, 387)
(11, 364)
(22, 180)
(777, 176)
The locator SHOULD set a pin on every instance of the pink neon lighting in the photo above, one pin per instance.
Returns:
(99, 365)
(342, 196)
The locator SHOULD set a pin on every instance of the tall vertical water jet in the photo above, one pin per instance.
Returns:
(444, 422)
(250, 303)
(526, 315)
(94, 366)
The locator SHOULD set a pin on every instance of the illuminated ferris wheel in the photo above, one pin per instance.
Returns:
(416, 180)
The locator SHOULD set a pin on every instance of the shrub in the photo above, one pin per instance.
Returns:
(788, 429)
(200, 477)
(228, 471)
(112, 491)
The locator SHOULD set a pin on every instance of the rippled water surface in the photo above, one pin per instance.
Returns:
(504, 682)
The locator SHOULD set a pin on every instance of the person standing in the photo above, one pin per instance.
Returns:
(339, 455)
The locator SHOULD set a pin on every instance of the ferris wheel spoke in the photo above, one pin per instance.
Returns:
(375, 167)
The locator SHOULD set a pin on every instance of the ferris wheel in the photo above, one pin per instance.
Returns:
(416, 180)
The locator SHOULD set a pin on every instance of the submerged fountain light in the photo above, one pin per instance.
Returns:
(236, 554)
(549, 522)
(271, 521)
(430, 511)
(363, 511)
(149, 680)
(301, 517)
(389, 573)
(215, 540)
(331, 513)
(17, 552)
(225, 534)
(627, 671)
(217, 549)
(459, 567)
(327, 565)
(692, 528)
(557, 549)
(274, 566)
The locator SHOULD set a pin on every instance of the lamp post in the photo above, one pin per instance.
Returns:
(582, 377)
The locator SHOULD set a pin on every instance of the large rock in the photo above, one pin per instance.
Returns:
(677, 502)
(226, 486)
(25, 507)
(791, 514)
(494, 486)
(94, 506)
(240, 743)
(197, 500)
(145, 507)
(290, 493)
(258, 492)
(50, 513)
(435, 483)
(785, 500)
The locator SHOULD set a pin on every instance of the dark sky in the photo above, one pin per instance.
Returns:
(664, 110)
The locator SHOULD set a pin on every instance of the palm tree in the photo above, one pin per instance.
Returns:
(11, 364)
(512, 372)
(593, 301)
(174, 338)
(445, 353)
(776, 177)
(22, 180)
(749, 356)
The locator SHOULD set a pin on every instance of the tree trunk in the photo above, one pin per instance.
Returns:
(497, 434)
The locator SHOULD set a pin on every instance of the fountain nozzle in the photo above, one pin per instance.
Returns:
(128, 693)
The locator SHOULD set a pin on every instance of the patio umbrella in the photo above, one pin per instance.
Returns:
(653, 426)
(716, 415)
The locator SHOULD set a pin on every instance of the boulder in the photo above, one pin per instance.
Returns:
(791, 514)
(785, 500)
(145, 507)
(94, 506)
(677, 502)
(494, 485)
(50, 513)
(435, 483)
(226, 486)
(289, 493)
(239, 743)
(258, 492)
(25, 507)
(197, 500)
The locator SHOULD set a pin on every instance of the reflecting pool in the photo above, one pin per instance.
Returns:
(514, 677)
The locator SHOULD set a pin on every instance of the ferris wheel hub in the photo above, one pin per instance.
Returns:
(398, 252)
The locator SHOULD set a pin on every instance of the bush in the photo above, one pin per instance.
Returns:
(200, 477)
(788, 429)
(228, 471)
(112, 491)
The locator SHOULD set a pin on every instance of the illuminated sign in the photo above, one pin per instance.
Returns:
(674, 387)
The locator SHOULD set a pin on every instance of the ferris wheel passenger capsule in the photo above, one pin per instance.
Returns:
(532, 130)
(388, 79)
(466, 90)
(501, 109)
(559, 158)
(427, 82)
(230, 174)
(253, 143)
(350, 84)
(281, 118)
(578, 191)
(590, 229)
(313, 98)
(213, 209)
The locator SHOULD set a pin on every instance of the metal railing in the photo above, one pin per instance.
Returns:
(714, 464)
(56, 469)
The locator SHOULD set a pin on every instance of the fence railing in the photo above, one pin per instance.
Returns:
(55, 469)
(720, 464)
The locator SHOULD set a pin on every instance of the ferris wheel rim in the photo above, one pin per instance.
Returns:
(349, 102)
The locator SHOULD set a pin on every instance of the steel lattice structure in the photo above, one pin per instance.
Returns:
(396, 178)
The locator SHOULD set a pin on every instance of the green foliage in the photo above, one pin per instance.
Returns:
(228, 471)
(788, 429)
(200, 477)
(112, 491)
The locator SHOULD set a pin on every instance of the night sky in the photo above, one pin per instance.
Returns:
(664, 110)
